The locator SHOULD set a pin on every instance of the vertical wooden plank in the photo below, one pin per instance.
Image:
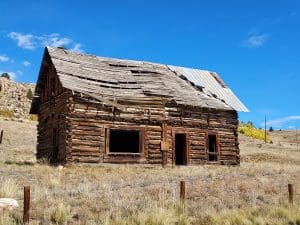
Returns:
(265, 128)
(164, 143)
(291, 193)
(26, 214)
(1, 136)
(206, 145)
(142, 143)
(173, 147)
(164, 131)
(107, 133)
(182, 192)
(102, 145)
(218, 150)
(187, 148)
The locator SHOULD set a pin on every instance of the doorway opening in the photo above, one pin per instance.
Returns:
(180, 149)
(212, 148)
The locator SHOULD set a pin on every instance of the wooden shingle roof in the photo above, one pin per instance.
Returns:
(126, 80)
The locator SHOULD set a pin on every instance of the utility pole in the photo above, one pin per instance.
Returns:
(297, 137)
(265, 128)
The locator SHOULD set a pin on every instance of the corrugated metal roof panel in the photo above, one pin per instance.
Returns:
(212, 85)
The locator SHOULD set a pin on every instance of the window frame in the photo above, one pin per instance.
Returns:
(141, 141)
(217, 153)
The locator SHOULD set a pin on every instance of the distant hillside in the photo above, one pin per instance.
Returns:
(15, 99)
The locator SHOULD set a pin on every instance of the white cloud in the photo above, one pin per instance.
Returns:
(31, 42)
(77, 48)
(3, 58)
(289, 120)
(26, 63)
(255, 41)
(25, 41)
(54, 40)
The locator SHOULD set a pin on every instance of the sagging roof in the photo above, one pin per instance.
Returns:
(116, 80)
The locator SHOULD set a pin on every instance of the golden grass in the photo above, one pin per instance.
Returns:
(120, 194)
(6, 113)
(8, 188)
(254, 216)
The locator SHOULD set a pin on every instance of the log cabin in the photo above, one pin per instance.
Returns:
(101, 110)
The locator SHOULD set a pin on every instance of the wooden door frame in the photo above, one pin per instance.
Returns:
(187, 145)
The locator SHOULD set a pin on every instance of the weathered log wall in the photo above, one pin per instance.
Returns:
(52, 127)
(90, 123)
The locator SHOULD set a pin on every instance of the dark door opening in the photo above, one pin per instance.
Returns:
(180, 149)
(212, 147)
(124, 141)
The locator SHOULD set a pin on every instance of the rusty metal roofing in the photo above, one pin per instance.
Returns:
(211, 84)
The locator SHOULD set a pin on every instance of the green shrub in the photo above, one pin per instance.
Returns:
(60, 214)
(33, 117)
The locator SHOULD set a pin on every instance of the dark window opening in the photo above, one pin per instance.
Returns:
(212, 147)
(124, 141)
(180, 149)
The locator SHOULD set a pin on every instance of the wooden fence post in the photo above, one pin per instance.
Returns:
(1, 136)
(182, 193)
(26, 205)
(291, 193)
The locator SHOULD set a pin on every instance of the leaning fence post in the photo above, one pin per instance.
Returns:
(26, 204)
(291, 193)
(1, 136)
(182, 193)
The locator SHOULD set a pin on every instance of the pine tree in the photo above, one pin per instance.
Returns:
(6, 75)
(29, 94)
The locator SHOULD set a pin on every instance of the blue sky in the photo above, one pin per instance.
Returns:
(253, 45)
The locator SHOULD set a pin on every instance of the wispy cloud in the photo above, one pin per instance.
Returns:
(26, 63)
(77, 48)
(31, 42)
(3, 58)
(281, 122)
(25, 41)
(255, 40)
(54, 40)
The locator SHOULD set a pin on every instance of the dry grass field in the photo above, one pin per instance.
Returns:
(253, 193)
